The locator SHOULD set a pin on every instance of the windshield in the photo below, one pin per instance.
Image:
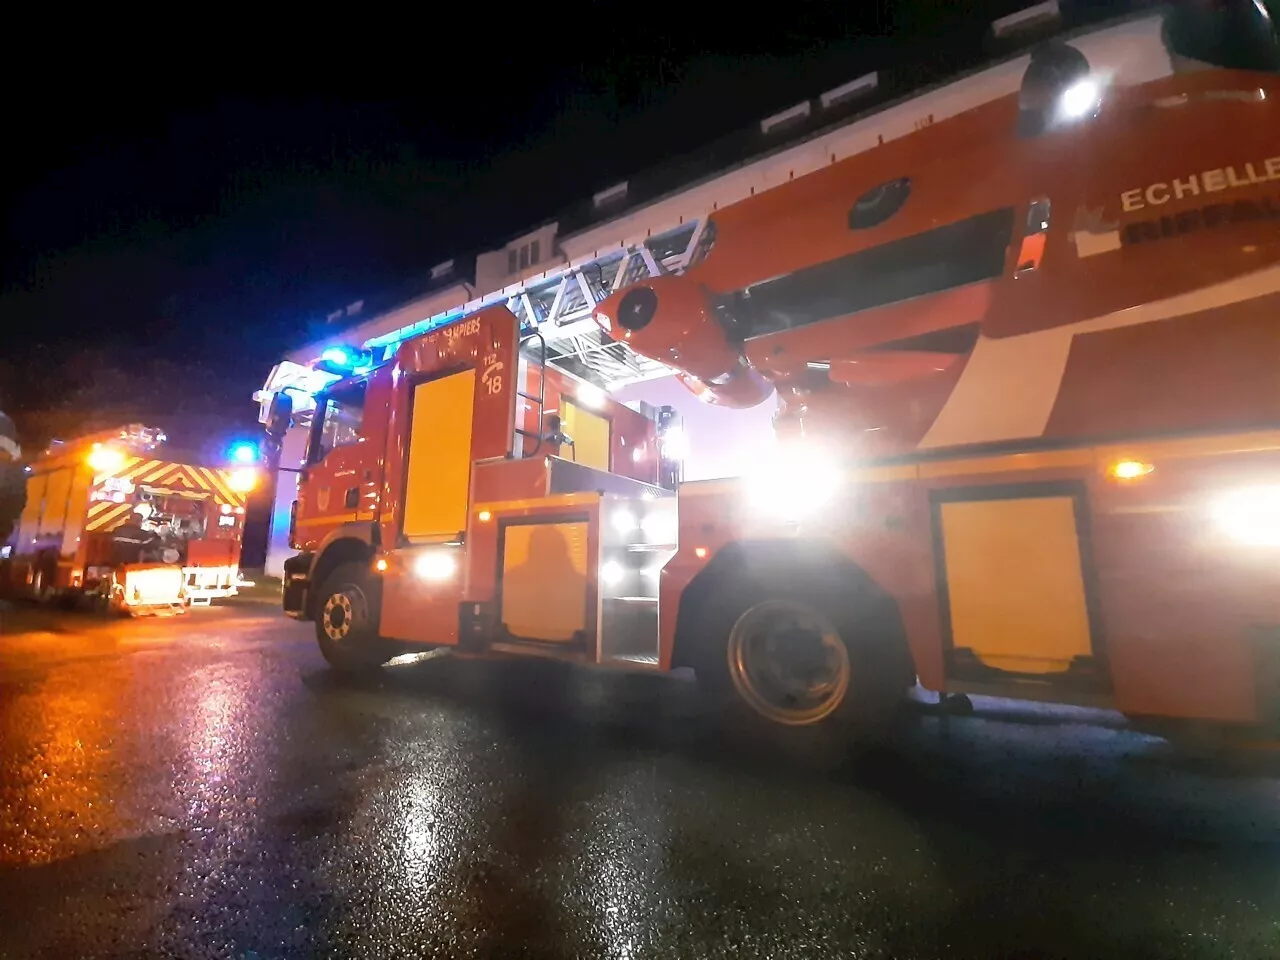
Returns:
(343, 412)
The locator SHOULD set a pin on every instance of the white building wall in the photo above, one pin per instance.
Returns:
(494, 269)
(721, 442)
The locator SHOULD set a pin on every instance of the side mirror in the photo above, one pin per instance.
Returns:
(279, 416)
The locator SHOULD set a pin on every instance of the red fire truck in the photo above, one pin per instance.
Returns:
(1028, 434)
(109, 517)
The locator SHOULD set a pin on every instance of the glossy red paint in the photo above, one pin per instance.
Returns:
(486, 342)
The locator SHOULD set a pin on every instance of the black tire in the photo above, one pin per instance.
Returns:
(865, 632)
(346, 618)
(41, 591)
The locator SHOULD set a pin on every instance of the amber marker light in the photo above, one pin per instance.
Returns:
(1129, 469)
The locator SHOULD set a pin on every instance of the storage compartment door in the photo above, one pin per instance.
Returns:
(1015, 590)
(589, 433)
(77, 507)
(544, 580)
(29, 524)
(56, 495)
(439, 474)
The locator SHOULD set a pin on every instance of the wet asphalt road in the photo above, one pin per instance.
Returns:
(204, 787)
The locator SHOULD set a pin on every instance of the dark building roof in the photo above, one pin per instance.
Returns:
(1226, 32)
(932, 64)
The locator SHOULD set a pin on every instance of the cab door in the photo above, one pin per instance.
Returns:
(339, 468)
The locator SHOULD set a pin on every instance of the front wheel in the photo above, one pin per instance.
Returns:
(347, 620)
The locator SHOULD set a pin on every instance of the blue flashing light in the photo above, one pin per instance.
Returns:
(244, 452)
(338, 356)
(345, 360)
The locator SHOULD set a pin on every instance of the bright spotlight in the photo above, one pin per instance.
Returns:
(659, 526)
(624, 521)
(1080, 99)
(589, 395)
(793, 486)
(1250, 517)
(674, 444)
(611, 573)
(105, 459)
(243, 480)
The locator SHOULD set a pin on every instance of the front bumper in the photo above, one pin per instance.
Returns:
(210, 583)
(147, 588)
(296, 585)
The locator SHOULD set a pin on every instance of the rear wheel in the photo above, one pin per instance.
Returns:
(347, 620)
(804, 656)
(788, 663)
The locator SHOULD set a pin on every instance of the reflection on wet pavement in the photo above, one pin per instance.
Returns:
(206, 788)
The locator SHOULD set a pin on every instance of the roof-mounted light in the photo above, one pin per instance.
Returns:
(105, 460)
(1080, 100)
(345, 360)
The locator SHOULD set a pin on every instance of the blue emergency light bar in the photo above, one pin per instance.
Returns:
(345, 360)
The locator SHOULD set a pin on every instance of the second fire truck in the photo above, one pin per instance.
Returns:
(115, 518)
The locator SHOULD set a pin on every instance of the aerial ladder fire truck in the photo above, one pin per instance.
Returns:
(112, 518)
(1028, 437)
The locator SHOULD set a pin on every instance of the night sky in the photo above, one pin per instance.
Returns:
(183, 200)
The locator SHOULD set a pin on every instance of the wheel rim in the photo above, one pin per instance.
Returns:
(787, 661)
(341, 611)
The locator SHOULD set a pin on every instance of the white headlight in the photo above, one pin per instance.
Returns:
(659, 526)
(674, 445)
(435, 565)
(1250, 516)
